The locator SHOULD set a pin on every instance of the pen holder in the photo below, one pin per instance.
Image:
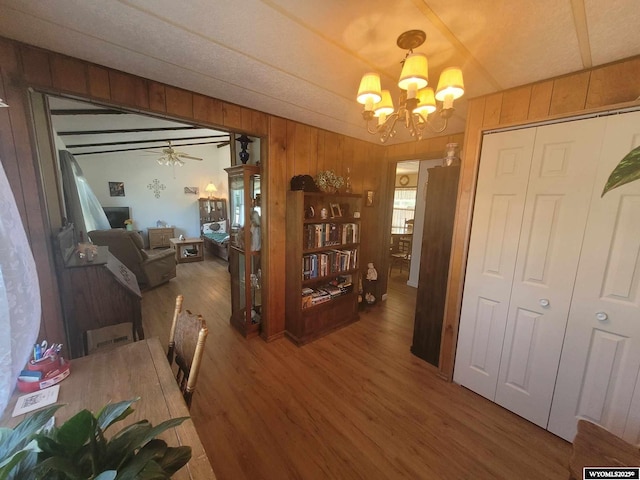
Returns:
(56, 370)
(44, 365)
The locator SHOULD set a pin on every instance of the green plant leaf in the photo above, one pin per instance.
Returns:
(76, 431)
(107, 475)
(158, 429)
(175, 458)
(626, 171)
(114, 412)
(23, 432)
(153, 450)
(60, 464)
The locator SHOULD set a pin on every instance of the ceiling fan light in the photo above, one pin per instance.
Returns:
(384, 106)
(450, 83)
(414, 71)
(426, 102)
(369, 91)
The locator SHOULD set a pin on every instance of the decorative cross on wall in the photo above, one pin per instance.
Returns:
(156, 186)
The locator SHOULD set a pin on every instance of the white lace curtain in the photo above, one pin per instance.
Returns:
(19, 294)
(82, 205)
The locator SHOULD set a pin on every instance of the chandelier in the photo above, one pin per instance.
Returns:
(417, 107)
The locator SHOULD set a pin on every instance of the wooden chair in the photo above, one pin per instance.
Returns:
(186, 341)
(402, 255)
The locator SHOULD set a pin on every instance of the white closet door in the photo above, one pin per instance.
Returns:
(598, 375)
(562, 175)
(497, 218)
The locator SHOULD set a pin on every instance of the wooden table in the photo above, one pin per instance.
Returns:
(139, 369)
(192, 244)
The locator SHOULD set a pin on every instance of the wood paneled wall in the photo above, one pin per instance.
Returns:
(607, 87)
(290, 148)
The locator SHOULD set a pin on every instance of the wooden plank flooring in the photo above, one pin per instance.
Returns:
(355, 404)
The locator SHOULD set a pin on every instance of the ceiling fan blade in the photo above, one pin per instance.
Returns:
(184, 155)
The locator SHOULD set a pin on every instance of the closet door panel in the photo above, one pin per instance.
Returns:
(562, 175)
(598, 377)
(497, 219)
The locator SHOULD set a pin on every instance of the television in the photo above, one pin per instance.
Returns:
(116, 216)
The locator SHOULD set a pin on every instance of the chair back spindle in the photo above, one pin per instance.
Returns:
(186, 347)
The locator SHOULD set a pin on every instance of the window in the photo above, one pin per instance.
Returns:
(404, 206)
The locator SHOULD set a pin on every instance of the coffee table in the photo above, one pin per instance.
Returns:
(188, 250)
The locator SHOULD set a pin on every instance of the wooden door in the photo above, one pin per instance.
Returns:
(559, 190)
(598, 375)
(495, 233)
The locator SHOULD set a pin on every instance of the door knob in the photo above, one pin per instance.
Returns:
(544, 302)
(602, 316)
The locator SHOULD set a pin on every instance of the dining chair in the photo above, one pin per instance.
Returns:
(402, 256)
(186, 346)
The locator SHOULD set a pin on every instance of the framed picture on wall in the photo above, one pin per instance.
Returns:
(336, 212)
(116, 189)
(369, 198)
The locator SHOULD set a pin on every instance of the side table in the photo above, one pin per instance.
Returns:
(188, 250)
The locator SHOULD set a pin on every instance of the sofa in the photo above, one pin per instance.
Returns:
(128, 247)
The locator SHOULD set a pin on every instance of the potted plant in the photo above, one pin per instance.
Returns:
(128, 223)
(78, 449)
(328, 182)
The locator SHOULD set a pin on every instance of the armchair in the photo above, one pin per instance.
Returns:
(127, 246)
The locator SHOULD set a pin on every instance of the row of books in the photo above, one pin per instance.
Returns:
(311, 297)
(318, 235)
(326, 263)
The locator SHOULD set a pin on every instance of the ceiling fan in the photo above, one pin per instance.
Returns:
(172, 157)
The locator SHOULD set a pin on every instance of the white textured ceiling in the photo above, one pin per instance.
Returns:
(303, 59)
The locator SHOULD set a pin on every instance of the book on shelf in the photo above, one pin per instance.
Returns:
(318, 235)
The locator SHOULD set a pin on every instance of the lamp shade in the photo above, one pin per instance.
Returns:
(369, 91)
(450, 83)
(210, 188)
(384, 106)
(426, 101)
(415, 70)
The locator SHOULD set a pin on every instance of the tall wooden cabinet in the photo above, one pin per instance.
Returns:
(322, 263)
(244, 249)
(439, 215)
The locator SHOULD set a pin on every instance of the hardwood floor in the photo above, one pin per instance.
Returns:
(355, 404)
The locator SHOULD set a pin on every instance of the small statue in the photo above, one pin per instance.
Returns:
(372, 273)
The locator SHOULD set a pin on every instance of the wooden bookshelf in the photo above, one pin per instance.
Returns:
(322, 255)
